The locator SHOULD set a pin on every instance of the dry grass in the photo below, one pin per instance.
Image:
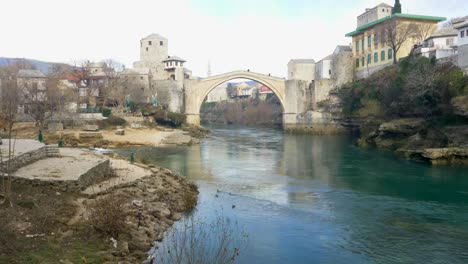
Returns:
(107, 214)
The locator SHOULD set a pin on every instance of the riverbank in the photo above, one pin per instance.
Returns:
(109, 138)
(115, 219)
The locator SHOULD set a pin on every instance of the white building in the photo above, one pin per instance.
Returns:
(323, 68)
(462, 28)
(218, 94)
(441, 45)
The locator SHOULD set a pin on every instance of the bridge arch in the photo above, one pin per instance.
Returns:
(197, 90)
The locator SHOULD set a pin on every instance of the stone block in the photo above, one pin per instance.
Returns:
(90, 135)
(120, 132)
(136, 125)
(90, 128)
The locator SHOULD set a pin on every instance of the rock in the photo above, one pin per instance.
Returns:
(122, 248)
(1, 141)
(90, 128)
(442, 156)
(427, 139)
(176, 217)
(120, 132)
(457, 136)
(402, 127)
(460, 105)
(136, 126)
(161, 212)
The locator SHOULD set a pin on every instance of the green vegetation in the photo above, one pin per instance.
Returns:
(106, 112)
(416, 87)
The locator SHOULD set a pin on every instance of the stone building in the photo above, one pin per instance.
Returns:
(218, 94)
(158, 76)
(301, 69)
(371, 51)
(32, 86)
(462, 29)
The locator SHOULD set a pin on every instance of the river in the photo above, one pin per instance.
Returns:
(321, 199)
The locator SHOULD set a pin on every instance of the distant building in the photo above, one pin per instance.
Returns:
(301, 69)
(462, 29)
(32, 85)
(161, 76)
(218, 94)
(442, 45)
(370, 50)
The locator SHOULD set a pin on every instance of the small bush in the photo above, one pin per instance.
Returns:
(112, 121)
(176, 118)
(106, 112)
(107, 215)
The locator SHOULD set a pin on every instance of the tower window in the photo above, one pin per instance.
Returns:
(149, 43)
(161, 43)
(146, 48)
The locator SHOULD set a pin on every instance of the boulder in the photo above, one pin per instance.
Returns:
(442, 156)
(120, 132)
(90, 128)
(402, 127)
(460, 105)
(136, 125)
(457, 136)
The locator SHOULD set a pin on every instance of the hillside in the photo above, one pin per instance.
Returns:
(43, 66)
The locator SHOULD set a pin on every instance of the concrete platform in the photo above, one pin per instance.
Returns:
(74, 170)
(21, 146)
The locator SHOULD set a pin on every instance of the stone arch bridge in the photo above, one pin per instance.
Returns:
(291, 93)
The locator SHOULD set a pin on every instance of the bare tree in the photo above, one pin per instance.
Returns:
(195, 241)
(424, 31)
(397, 33)
(9, 101)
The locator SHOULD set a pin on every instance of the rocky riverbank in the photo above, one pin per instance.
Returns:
(415, 138)
(115, 220)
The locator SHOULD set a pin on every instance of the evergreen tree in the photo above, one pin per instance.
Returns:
(397, 7)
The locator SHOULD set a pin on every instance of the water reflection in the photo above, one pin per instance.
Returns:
(310, 199)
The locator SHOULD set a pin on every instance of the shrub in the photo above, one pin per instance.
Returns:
(107, 214)
(106, 112)
(176, 118)
(112, 121)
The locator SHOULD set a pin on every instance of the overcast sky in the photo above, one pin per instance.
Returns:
(260, 35)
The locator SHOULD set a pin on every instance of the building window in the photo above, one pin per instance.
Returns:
(376, 38)
(369, 59)
(449, 41)
(141, 77)
(357, 45)
(376, 57)
(146, 48)
(369, 41)
(390, 54)
(161, 43)
(462, 34)
(357, 63)
(149, 43)
(363, 61)
(382, 55)
(362, 44)
(176, 63)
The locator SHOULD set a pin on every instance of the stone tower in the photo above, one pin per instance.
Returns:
(397, 7)
(154, 49)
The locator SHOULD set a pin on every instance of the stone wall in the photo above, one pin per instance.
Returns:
(29, 157)
(169, 93)
(463, 58)
(95, 174)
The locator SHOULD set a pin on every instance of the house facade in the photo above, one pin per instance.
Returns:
(442, 45)
(371, 41)
(462, 32)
